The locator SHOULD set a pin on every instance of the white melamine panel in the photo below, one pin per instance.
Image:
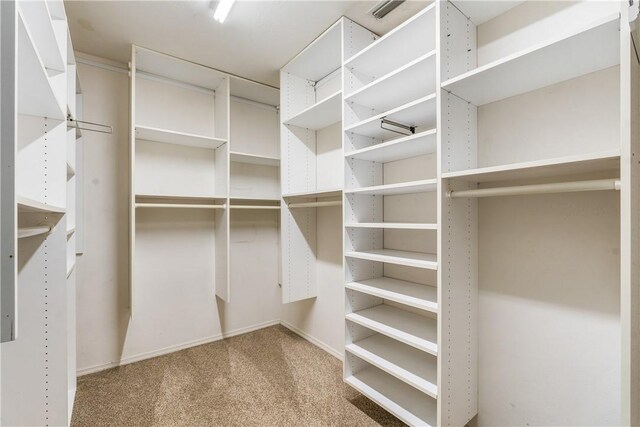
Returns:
(393, 225)
(402, 361)
(255, 129)
(408, 41)
(254, 181)
(38, 19)
(298, 164)
(299, 236)
(222, 267)
(397, 149)
(329, 158)
(583, 51)
(400, 188)
(321, 57)
(410, 259)
(329, 85)
(252, 91)
(404, 326)
(36, 93)
(178, 138)
(167, 105)
(168, 169)
(319, 115)
(412, 294)
(482, 11)
(406, 403)
(253, 159)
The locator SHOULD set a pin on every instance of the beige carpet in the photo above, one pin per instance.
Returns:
(270, 377)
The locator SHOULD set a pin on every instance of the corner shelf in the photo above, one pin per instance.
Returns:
(416, 295)
(398, 149)
(319, 115)
(412, 329)
(420, 113)
(591, 48)
(407, 364)
(27, 205)
(559, 166)
(254, 159)
(392, 256)
(426, 185)
(402, 400)
(399, 86)
(178, 138)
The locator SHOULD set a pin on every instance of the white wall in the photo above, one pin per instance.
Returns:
(179, 309)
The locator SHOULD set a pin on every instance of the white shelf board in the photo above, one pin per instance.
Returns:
(412, 366)
(411, 39)
(321, 57)
(148, 200)
(397, 149)
(254, 159)
(412, 329)
(400, 86)
(28, 205)
(178, 138)
(70, 171)
(256, 198)
(591, 48)
(38, 19)
(420, 113)
(392, 256)
(556, 167)
(406, 403)
(25, 232)
(416, 295)
(480, 12)
(425, 185)
(335, 192)
(256, 92)
(393, 225)
(319, 115)
(36, 96)
(70, 231)
(255, 207)
(71, 267)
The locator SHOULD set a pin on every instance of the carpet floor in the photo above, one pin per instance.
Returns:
(270, 377)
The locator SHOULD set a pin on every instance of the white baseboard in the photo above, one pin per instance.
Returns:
(174, 348)
(313, 340)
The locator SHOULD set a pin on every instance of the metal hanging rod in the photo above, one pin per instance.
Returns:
(558, 187)
(179, 205)
(314, 204)
(24, 232)
(73, 123)
(410, 129)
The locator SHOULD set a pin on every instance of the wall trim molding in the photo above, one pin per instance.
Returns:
(313, 340)
(174, 348)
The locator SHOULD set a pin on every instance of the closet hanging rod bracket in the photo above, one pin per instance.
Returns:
(557, 187)
(405, 128)
(76, 124)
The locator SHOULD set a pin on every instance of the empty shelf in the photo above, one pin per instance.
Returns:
(255, 198)
(179, 202)
(591, 48)
(180, 206)
(70, 171)
(410, 328)
(35, 94)
(317, 193)
(411, 39)
(403, 401)
(320, 58)
(28, 205)
(24, 232)
(254, 159)
(391, 256)
(400, 188)
(394, 225)
(397, 149)
(319, 115)
(481, 12)
(420, 113)
(255, 207)
(70, 231)
(412, 366)
(38, 19)
(416, 295)
(556, 167)
(400, 86)
(178, 138)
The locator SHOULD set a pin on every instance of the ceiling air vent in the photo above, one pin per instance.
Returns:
(383, 8)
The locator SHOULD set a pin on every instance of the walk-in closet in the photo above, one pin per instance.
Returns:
(320, 213)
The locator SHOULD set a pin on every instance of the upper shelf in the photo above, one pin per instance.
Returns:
(178, 138)
(36, 96)
(319, 115)
(591, 48)
(257, 92)
(400, 86)
(420, 113)
(556, 167)
(38, 19)
(321, 57)
(254, 159)
(411, 39)
(28, 205)
(397, 149)
(480, 12)
(318, 193)
(395, 189)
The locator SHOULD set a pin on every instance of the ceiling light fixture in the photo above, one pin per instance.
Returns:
(223, 9)
(383, 8)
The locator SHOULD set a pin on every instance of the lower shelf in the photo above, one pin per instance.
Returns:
(391, 256)
(416, 295)
(403, 401)
(409, 365)
(412, 329)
